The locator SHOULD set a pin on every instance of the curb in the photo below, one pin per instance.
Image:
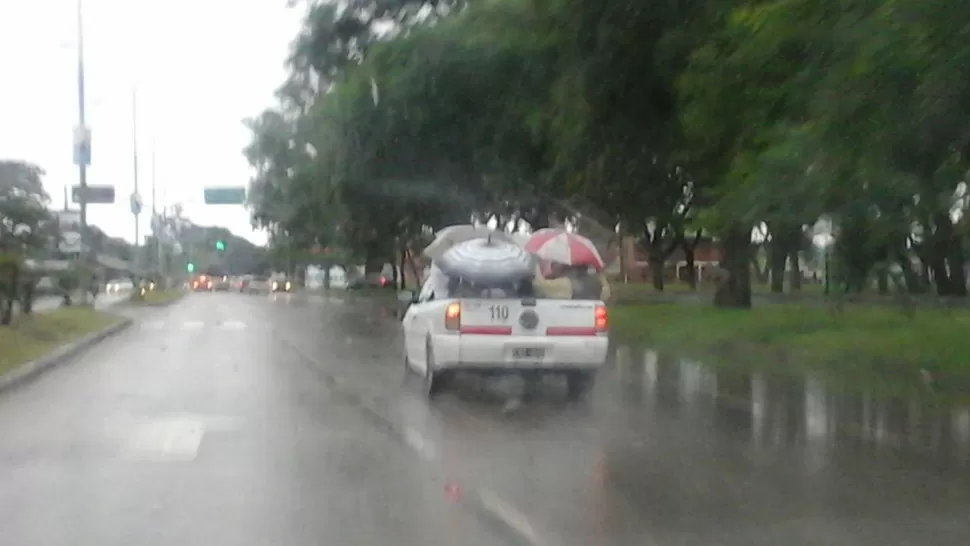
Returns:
(30, 370)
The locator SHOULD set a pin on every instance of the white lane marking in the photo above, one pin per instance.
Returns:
(193, 325)
(509, 515)
(166, 440)
(153, 325)
(423, 447)
(214, 422)
(233, 325)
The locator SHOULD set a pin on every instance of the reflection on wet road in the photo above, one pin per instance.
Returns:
(289, 419)
(670, 452)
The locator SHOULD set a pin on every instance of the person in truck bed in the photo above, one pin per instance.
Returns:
(562, 281)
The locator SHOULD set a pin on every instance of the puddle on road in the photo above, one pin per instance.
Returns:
(775, 410)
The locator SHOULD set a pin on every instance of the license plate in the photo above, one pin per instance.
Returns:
(528, 352)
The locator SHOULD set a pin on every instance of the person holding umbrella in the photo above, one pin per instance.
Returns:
(573, 268)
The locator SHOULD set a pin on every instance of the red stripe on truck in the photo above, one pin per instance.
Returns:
(571, 331)
(486, 330)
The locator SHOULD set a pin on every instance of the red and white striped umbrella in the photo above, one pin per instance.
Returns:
(558, 245)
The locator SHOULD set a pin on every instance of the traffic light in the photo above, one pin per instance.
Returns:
(220, 245)
(190, 267)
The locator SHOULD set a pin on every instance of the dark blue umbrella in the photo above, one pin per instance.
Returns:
(486, 261)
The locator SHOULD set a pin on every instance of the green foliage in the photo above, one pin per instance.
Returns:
(26, 227)
(666, 119)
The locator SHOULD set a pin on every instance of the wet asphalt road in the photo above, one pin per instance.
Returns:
(288, 419)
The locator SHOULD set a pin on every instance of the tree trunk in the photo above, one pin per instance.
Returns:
(795, 276)
(656, 273)
(402, 262)
(760, 273)
(6, 311)
(690, 254)
(777, 259)
(956, 261)
(914, 283)
(691, 266)
(735, 290)
(937, 252)
(412, 264)
(882, 280)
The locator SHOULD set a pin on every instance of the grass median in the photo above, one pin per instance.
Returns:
(31, 337)
(644, 292)
(874, 347)
(158, 297)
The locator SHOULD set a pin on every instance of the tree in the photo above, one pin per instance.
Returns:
(25, 226)
(670, 121)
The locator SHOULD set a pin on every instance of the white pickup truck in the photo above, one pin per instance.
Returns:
(446, 331)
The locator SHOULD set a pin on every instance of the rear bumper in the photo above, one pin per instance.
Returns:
(485, 352)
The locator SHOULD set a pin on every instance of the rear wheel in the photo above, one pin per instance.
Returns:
(578, 384)
(434, 379)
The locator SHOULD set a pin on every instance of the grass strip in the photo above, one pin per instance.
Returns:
(875, 347)
(32, 336)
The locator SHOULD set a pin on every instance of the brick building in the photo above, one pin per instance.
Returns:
(634, 266)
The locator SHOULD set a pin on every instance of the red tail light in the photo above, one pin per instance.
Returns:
(602, 318)
(383, 281)
(453, 316)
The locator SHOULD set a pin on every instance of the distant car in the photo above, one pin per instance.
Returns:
(221, 284)
(118, 286)
(255, 285)
(202, 283)
(364, 282)
(281, 285)
(241, 283)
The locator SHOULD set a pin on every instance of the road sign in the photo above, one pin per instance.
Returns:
(96, 195)
(69, 220)
(48, 265)
(225, 196)
(70, 242)
(136, 204)
(82, 146)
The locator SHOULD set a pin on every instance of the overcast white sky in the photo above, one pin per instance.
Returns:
(200, 67)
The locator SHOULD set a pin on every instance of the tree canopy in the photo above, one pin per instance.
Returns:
(667, 120)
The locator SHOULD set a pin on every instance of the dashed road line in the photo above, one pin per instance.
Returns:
(509, 516)
(166, 440)
(484, 501)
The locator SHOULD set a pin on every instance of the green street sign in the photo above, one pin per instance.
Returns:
(190, 267)
(225, 196)
(96, 195)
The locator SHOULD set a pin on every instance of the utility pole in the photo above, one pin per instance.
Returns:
(135, 198)
(82, 163)
(158, 221)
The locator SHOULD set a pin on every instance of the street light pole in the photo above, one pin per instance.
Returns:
(82, 164)
(134, 143)
(158, 224)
